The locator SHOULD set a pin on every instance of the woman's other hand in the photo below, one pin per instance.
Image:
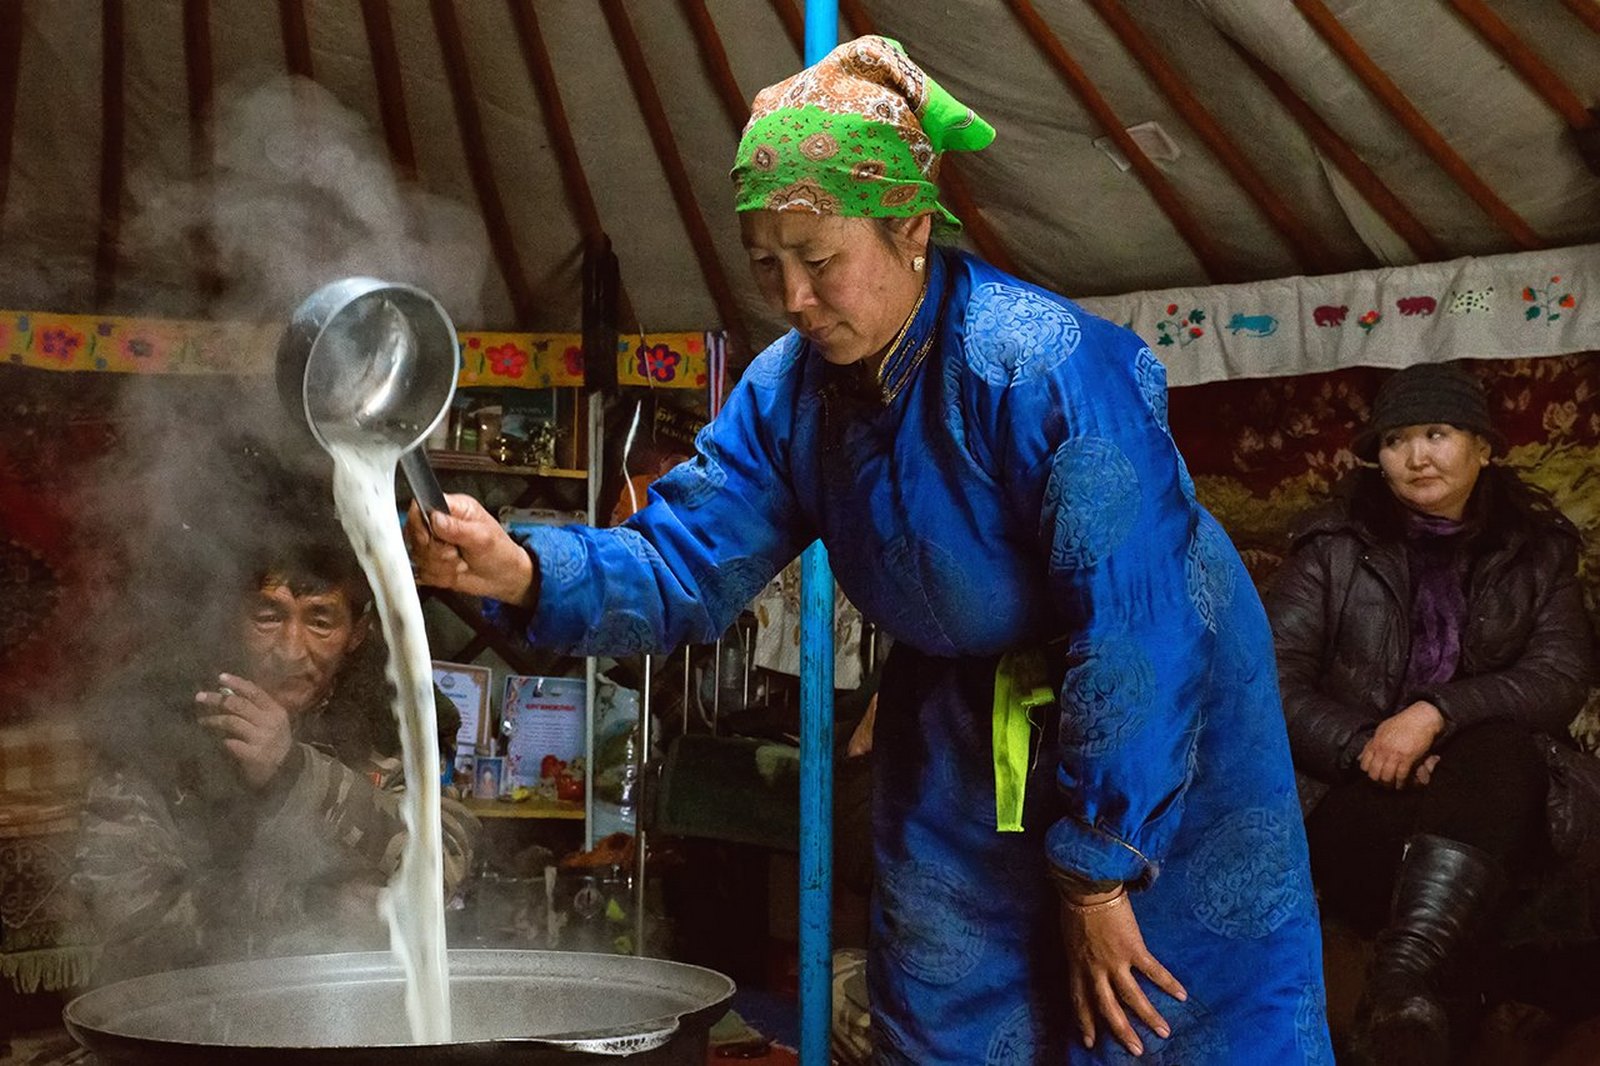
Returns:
(1400, 743)
(1104, 949)
(469, 551)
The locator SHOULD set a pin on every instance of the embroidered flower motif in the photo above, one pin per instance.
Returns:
(657, 362)
(507, 360)
(104, 329)
(138, 347)
(1182, 331)
(60, 343)
(573, 360)
(1544, 301)
(1369, 320)
(764, 157)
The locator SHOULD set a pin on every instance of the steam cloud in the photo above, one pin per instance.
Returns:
(206, 468)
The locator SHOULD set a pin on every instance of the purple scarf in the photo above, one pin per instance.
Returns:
(1438, 598)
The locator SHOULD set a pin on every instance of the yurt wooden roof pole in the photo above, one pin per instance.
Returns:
(816, 726)
(793, 23)
(10, 75)
(470, 124)
(1587, 11)
(714, 57)
(1161, 190)
(951, 181)
(1309, 252)
(1405, 112)
(200, 82)
(542, 73)
(296, 37)
(1584, 121)
(113, 70)
(666, 146)
(1526, 62)
(1355, 170)
(391, 89)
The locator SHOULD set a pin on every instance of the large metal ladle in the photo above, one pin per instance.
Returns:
(371, 362)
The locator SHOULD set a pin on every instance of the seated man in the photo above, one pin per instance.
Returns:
(261, 816)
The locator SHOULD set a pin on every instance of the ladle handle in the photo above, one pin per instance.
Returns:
(424, 484)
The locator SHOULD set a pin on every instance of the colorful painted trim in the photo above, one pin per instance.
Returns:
(120, 345)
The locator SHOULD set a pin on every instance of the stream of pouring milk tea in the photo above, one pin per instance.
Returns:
(413, 903)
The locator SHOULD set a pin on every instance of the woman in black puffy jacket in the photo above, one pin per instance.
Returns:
(1432, 650)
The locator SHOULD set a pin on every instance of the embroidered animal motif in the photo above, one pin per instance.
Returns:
(1470, 301)
(1330, 316)
(1254, 325)
(1416, 305)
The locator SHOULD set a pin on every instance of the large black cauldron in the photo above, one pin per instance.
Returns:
(509, 1007)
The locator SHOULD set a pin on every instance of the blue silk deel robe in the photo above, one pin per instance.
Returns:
(1008, 481)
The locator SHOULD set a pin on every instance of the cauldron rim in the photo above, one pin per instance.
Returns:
(100, 1019)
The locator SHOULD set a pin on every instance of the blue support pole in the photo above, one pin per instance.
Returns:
(816, 727)
(822, 29)
(816, 805)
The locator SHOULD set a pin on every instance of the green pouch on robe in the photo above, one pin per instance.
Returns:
(1020, 684)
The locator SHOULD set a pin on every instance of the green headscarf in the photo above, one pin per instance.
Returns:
(859, 133)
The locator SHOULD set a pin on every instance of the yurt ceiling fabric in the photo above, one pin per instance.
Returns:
(219, 157)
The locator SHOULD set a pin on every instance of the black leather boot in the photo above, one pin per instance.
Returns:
(1443, 896)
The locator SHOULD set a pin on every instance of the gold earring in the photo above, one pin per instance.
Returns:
(917, 263)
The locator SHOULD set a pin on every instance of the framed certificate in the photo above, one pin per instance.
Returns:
(543, 718)
(467, 687)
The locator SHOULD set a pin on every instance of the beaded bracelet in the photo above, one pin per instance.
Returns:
(1103, 905)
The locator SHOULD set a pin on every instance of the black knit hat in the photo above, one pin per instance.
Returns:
(1423, 394)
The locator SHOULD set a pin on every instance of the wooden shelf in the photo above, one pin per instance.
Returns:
(533, 808)
(476, 463)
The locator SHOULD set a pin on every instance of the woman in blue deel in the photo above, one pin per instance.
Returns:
(1087, 838)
